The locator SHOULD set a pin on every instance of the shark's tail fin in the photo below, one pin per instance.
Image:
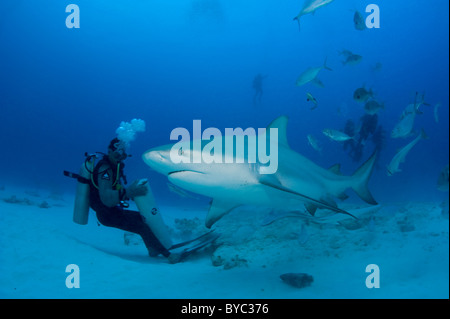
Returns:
(361, 179)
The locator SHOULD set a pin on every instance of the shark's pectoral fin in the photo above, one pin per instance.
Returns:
(311, 204)
(217, 210)
(328, 200)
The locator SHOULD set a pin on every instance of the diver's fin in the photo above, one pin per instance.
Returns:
(187, 242)
(207, 240)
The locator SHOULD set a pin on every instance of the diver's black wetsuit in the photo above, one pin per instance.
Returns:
(117, 217)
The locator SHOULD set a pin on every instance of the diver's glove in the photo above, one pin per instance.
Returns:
(136, 189)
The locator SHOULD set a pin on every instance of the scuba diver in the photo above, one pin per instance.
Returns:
(356, 148)
(101, 187)
(368, 128)
(257, 86)
(103, 190)
(108, 195)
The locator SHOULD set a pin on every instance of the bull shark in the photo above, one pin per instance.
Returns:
(297, 181)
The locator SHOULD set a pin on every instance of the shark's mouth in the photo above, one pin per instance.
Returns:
(184, 171)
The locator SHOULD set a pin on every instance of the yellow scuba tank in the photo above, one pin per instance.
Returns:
(81, 206)
(148, 209)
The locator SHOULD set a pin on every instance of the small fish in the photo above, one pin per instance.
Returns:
(442, 183)
(361, 95)
(310, 74)
(399, 158)
(350, 58)
(359, 21)
(311, 98)
(415, 107)
(314, 143)
(310, 6)
(372, 107)
(405, 126)
(336, 135)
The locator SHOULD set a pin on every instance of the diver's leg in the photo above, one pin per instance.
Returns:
(132, 221)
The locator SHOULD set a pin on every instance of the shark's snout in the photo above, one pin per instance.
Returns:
(156, 160)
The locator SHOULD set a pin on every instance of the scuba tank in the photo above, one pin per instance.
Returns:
(81, 206)
(85, 180)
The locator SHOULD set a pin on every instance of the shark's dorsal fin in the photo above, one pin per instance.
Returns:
(217, 210)
(279, 123)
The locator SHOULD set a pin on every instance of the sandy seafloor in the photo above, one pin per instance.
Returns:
(407, 240)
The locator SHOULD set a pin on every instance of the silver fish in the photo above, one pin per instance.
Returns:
(314, 143)
(358, 21)
(361, 95)
(399, 158)
(350, 58)
(337, 135)
(310, 74)
(310, 6)
(372, 107)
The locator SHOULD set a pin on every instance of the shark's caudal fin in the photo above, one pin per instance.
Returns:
(361, 179)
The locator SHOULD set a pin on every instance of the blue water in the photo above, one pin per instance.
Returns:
(64, 92)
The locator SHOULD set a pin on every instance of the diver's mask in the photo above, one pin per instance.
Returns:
(119, 149)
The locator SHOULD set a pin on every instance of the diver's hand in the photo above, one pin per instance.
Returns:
(136, 189)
